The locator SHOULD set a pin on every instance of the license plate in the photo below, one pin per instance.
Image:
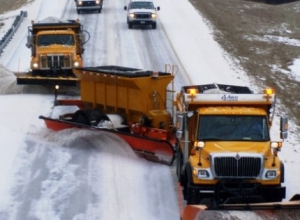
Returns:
(142, 22)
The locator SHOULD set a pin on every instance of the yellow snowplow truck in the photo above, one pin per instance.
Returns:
(56, 48)
(225, 153)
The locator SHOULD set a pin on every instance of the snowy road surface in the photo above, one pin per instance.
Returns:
(81, 175)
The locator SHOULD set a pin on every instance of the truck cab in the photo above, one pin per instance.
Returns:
(141, 12)
(88, 5)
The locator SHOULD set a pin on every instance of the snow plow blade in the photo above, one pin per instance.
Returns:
(156, 150)
(28, 79)
(263, 211)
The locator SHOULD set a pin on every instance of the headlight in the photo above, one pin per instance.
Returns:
(79, 2)
(153, 16)
(76, 64)
(35, 65)
(97, 2)
(199, 145)
(271, 174)
(201, 173)
(131, 15)
(274, 145)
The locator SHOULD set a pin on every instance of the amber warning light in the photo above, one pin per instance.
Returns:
(193, 91)
(269, 91)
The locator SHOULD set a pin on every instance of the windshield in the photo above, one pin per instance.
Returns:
(64, 39)
(233, 128)
(147, 5)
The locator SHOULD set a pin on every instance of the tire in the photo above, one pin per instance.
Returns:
(78, 11)
(272, 196)
(179, 165)
(81, 117)
(184, 184)
(129, 25)
(86, 117)
(282, 172)
(153, 25)
(35, 73)
(190, 195)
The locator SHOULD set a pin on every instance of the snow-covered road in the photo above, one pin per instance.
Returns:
(82, 175)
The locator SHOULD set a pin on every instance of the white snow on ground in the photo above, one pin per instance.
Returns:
(202, 57)
(125, 180)
(295, 69)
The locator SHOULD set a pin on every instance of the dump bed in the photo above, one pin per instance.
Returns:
(52, 23)
(134, 92)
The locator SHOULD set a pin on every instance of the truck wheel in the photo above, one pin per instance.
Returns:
(282, 172)
(190, 193)
(87, 117)
(184, 184)
(153, 25)
(81, 117)
(192, 197)
(179, 164)
(78, 11)
(129, 25)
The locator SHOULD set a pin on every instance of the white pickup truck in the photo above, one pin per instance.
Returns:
(141, 12)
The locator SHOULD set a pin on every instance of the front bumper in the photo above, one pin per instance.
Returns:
(141, 22)
(237, 192)
(89, 7)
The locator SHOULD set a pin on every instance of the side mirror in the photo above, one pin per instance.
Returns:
(158, 8)
(82, 38)
(29, 42)
(180, 123)
(179, 134)
(284, 126)
(125, 8)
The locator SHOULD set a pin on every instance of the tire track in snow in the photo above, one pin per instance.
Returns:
(90, 22)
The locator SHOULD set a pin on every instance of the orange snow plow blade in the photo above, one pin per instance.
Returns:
(152, 149)
(263, 211)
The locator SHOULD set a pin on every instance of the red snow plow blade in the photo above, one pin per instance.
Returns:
(263, 211)
(152, 149)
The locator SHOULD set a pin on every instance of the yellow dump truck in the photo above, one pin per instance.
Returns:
(225, 153)
(56, 48)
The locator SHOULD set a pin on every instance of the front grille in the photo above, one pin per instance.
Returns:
(237, 166)
(55, 61)
(143, 16)
(88, 3)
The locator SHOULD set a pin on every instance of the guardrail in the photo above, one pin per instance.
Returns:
(9, 34)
